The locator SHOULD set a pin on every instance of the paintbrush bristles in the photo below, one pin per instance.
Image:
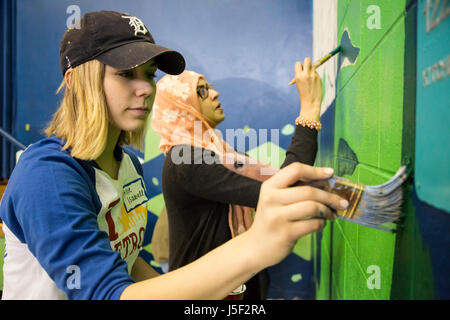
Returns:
(371, 206)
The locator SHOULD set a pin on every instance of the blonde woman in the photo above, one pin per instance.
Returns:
(74, 211)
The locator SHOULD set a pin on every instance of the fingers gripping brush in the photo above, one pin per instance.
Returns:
(371, 206)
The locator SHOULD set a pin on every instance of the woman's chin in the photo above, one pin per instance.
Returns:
(220, 118)
(135, 126)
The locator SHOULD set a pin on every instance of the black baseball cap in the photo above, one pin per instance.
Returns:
(116, 39)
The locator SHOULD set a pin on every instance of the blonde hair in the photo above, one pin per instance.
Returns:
(82, 119)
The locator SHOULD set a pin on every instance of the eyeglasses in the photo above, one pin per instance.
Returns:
(203, 91)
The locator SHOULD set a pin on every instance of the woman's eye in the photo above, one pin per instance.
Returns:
(125, 74)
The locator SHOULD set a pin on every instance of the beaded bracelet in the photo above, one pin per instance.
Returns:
(308, 123)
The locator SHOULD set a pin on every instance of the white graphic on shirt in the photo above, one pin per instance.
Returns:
(124, 209)
(137, 24)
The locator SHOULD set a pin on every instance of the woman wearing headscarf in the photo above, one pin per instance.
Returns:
(209, 189)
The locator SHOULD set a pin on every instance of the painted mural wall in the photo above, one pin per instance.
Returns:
(368, 116)
(368, 133)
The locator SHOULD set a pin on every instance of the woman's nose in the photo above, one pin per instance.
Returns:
(143, 88)
(213, 94)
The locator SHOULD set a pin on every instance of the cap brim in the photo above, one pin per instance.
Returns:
(134, 54)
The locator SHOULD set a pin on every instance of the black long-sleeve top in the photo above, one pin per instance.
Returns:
(197, 197)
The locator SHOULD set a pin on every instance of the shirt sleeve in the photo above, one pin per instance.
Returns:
(303, 147)
(215, 182)
(211, 180)
(51, 208)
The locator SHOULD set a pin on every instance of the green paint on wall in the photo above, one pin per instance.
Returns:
(148, 248)
(353, 16)
(153, 263)
(288, 130)
(323, 271)
(296, 277)
(151, 142)
(369, 118)
(156, 204)
(303, 248)
(269, 153)
(323, 75)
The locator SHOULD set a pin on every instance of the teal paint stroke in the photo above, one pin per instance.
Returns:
(432, 155)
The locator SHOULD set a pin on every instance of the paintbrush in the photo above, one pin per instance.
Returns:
(321, 61)
(348, 52)
(371, 206)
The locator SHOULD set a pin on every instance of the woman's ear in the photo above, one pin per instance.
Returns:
(67, 77)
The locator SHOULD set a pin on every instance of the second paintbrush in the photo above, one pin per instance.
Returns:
(322, 60)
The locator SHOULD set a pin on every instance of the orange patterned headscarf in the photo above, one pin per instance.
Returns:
(177, 119)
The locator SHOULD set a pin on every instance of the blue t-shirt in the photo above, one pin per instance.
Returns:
(71, 231)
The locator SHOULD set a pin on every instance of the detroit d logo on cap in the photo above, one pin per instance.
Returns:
(137, 24)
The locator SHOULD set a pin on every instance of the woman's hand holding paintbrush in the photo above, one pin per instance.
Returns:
(309, 86)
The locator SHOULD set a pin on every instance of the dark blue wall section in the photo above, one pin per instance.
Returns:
(247, 48)
(7, 87)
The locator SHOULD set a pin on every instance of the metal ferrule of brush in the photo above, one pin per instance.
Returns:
(348, 190)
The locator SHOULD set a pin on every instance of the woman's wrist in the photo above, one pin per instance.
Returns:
(250, 257)
(316, 125)
(310, 111)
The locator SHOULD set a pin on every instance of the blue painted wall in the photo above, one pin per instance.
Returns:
(257, 41)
